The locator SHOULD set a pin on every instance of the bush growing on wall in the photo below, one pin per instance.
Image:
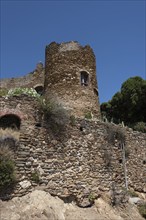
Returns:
(27, 91)
(3, 92)
(9, 137)
(7, 168)
(8, 144)
(55, 116)
(8, 132)
(35, 177)
(140, 126)
(142, 210)
(72, 120)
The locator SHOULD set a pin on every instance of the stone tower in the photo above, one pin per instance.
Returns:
(70, 76)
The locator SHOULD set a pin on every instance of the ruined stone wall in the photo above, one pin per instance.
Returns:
(30, 80)
(80, 164)
(63, 67)
(23, 106)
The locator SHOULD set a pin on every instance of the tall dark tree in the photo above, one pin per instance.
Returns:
(134, 99)
(128, 105)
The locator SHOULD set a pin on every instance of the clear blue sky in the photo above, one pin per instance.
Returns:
(114, 29)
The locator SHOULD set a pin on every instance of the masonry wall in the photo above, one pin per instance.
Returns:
(30, 80)
(78, 164)
(63, 67)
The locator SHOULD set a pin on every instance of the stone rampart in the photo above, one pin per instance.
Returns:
(30, 80)
(84, 162)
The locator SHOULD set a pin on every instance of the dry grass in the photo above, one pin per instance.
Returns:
(7, 170)
(9, 133)
(9, 139)
(5, 152)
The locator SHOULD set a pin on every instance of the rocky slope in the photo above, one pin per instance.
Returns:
(40, 205)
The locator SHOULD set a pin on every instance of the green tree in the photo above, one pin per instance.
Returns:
(134, 100)
(128, 105)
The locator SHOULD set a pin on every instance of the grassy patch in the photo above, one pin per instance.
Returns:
(55, 116)
(142, 210)
(35, 177)
(27, 91)
(88, 115)
(140, 126)
(3, 92)
(9, 133)
(72, 120)
(132, 193)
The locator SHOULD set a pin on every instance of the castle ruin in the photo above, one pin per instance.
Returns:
(82, 161)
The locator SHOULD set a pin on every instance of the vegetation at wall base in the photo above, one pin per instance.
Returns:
(142, 210)
(7, 169)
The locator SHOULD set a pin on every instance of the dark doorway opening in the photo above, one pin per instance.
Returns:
(39, 89)
(10, 121)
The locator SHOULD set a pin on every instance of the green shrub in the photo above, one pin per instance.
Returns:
(132, 193)
(140, 126)
(127, 152)
(3, 92)
(55, 116)
(88, 115)
(142, 210)
(115, 133)
(27, 91)
(35, 177)
(7, 168)
(72, 120)
(45, 106)
(92, 197)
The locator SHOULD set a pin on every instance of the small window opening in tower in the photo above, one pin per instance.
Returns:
(84, 78)
(39, 89)
(95, 91)
(10, 121)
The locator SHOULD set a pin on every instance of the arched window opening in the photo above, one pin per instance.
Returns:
(84, 78)
(10, 121)
(39, 89)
